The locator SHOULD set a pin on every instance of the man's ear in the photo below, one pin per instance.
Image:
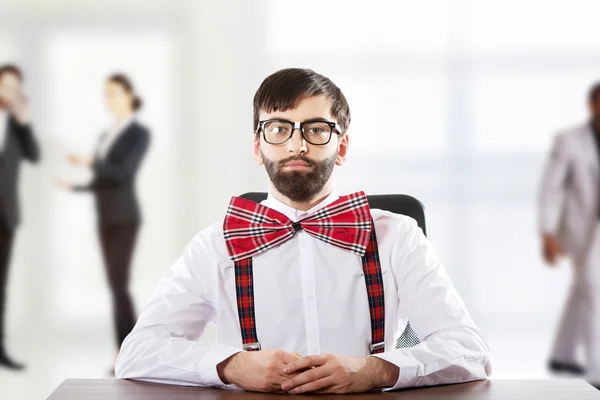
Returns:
(257, 154)
(342, 150)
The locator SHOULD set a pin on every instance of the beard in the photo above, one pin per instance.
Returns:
(300, 186)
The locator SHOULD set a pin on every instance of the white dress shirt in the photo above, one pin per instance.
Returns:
(310, 298)
(3, 127)
(111, 136)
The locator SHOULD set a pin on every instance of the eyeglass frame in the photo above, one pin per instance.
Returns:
(333, 126)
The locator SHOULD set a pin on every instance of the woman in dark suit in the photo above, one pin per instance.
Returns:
(115, 165)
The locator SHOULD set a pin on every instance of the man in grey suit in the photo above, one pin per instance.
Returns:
(569, 217)
(16, 143)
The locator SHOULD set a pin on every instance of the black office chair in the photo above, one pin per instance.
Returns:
(398, 204)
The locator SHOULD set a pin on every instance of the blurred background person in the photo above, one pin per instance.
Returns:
(569, 213)
(115, 164)
(17, 142)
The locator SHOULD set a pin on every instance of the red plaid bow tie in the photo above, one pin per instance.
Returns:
(251, 228)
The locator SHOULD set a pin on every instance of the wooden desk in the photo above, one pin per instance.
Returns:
(101, 389)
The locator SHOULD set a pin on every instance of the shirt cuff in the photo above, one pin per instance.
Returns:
(207, 369)
(408, 369)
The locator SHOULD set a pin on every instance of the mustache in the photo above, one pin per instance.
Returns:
(296, 158)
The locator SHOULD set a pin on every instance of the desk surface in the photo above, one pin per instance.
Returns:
(100, 389)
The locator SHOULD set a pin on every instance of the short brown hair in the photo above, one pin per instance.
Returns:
(11, 69)
(282, 90)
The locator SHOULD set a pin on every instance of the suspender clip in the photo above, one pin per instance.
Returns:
(376, 347)
(252, 346)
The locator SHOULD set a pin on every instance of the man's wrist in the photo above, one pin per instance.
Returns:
(228, 368)
(384, 373)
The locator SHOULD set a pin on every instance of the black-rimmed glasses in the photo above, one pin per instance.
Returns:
(315, 132)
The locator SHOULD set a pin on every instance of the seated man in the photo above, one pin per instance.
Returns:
(306, 288)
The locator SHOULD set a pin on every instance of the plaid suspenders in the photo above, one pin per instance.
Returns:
(373, 279)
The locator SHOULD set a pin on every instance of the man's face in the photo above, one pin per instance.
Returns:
(297, 169)
(10, 88)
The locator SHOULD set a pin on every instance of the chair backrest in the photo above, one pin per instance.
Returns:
(396, 203)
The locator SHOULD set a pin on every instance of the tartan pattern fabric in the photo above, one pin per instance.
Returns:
(251, 228)
(244, 290)
(373, 280)
(409, 338)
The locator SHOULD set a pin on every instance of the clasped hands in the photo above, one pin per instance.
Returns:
(277, 370)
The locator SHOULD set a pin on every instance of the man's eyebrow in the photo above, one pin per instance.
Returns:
(317, 119)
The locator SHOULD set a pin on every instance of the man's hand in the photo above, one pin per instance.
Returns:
(20, 109)
(80, 160)
(257, 371)
(330, 373)
(550, 249)
(64, 185)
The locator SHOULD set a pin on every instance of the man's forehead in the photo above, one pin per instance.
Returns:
(313, 106)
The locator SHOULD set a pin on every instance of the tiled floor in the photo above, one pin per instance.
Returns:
(51, 360)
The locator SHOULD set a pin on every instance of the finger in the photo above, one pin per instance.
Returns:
(289, 358)
(305, 362)
(319, 386)
(305, 377)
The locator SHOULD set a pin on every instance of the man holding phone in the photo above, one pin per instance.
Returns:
(17, 142)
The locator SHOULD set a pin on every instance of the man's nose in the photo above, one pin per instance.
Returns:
(297, 144)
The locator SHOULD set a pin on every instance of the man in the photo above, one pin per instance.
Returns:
(16, 143)
(315, 281)
(569, 210)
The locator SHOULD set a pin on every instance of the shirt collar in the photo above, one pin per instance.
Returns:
(296, 215)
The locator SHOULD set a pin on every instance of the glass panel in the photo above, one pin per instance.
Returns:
(347, 27)
(522, 110)
(532, 25)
